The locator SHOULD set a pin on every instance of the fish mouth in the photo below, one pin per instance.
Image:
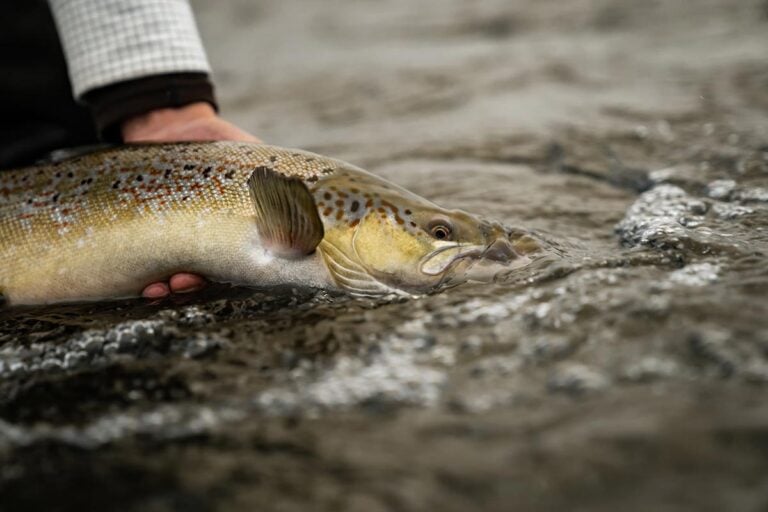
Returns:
(478, 260)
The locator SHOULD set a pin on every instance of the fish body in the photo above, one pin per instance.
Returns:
(106, 224)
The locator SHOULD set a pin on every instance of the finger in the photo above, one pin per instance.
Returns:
(156, 291)
(185, 283)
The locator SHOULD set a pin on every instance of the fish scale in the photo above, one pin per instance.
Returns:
(106, 224)
(137, 180)
(52, 213)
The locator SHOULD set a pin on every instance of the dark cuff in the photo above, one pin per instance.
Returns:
(113, 104)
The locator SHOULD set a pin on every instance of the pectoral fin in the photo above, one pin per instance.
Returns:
(286, 214)
(349, 275)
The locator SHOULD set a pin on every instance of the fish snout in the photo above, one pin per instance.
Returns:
(501, 251)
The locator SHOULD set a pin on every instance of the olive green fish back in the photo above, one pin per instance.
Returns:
(69, 199)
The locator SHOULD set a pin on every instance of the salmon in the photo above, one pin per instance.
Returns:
(106, 224)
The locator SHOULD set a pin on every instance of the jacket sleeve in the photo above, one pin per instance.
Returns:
(127, 57)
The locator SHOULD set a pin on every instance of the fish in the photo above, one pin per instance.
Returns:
(103, 225)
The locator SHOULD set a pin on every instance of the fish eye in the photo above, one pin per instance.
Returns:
(441, 229)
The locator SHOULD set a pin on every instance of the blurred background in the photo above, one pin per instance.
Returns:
(629, 372)
(388, 77)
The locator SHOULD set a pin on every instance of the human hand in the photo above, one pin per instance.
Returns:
(196, 121)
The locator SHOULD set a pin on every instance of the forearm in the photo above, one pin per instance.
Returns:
(195, 121)
(130, 57)
(111, 41)
(115, 105)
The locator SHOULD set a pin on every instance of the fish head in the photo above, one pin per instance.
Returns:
(380, 238)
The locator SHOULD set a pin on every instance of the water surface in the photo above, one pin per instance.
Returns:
(627, 367)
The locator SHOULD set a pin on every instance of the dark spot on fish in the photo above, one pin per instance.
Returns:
(339, 203)
(58, 175)
(310, 159)
(139, 177)
(339, 214)
(55, 198)
(295, 154)
(413, 224)
(312, 179)
(24, 178)
(327, 196)
(188, 167)
(327, 211)
(354, 223)
(354, 206)
(327, 170)
(354, 190)
(333, 187)
(185, 198)
(408, 212)
(273, 158)
(389, 205)
(320, 204)
(399, 220)
(369, 203)
(381, 210)
(167, 174)
(29, 201)
(343, 194)
(70, 175)
(367, 195)
(230, 174)
(89, 180)
(207, 172)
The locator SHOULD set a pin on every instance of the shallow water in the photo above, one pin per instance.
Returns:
(627, 367)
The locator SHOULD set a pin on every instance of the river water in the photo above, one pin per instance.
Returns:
(626, 367)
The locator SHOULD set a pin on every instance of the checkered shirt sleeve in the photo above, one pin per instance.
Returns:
(109, 41)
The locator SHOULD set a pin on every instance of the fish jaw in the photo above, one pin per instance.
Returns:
(471, 268)
(505, 250)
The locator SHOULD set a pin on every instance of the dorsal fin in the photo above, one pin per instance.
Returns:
(286, 214)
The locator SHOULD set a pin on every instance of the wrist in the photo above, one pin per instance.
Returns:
(112, 105)
(149, 125)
